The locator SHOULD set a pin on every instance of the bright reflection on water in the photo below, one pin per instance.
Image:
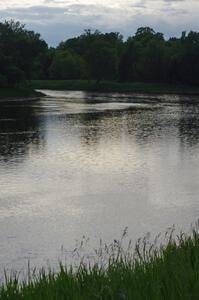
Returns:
(77, 164)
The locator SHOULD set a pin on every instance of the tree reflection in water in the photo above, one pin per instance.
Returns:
(20, 127)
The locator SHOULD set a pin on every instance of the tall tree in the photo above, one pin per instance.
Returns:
(19, 48)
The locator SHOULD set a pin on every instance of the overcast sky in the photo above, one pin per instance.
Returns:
(58, 20)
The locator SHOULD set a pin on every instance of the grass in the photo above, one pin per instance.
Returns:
(110, 86)
(18, 92)
(149, 273)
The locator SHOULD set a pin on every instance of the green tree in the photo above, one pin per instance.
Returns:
(103, 61)
(67, 65)
(19, 48)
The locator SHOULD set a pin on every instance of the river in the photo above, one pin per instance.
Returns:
(76, 164)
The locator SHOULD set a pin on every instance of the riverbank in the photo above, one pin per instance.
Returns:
(18, 92)
(109, 86)
(169, 272)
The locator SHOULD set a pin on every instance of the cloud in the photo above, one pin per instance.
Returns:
(60, 19)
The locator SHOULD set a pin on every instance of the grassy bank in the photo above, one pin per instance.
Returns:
(18, 92)
(109, 86)
(169, 272)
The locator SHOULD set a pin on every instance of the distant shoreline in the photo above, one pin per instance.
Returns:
(26, 92)
(92, 86)
(110, 86)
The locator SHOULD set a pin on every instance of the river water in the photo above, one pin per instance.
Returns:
(76, 164)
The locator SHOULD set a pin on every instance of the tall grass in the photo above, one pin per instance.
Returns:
(150, 272)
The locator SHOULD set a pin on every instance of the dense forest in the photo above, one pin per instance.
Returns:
(144, 57)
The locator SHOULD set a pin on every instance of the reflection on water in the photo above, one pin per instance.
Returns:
(74, 164)
(19, 126)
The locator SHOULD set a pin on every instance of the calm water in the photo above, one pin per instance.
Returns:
(74, 164)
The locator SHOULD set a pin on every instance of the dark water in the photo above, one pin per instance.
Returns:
(77, 164)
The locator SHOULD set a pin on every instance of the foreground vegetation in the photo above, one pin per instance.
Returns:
(113, 86)
(166, 272)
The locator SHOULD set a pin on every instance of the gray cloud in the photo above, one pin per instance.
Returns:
(57, 20)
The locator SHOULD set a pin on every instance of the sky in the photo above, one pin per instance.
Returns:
(58, 20)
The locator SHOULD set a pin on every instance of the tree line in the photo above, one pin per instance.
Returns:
(145, 56)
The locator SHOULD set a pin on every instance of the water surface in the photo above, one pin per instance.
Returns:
(75, 163)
